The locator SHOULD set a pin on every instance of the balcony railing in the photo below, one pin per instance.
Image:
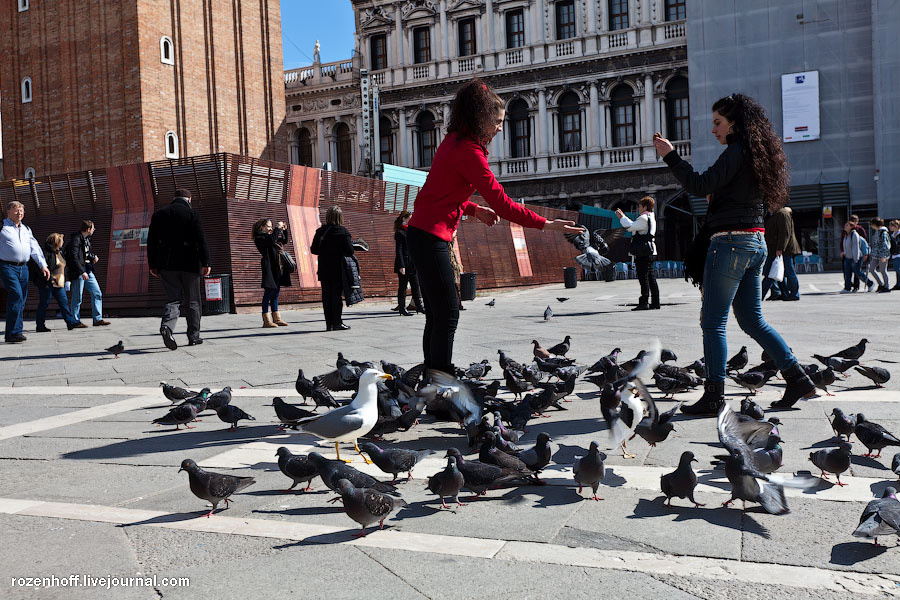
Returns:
(421, 72)
(514, 57)
(565, 49)
(618, 40)
(466, 65)
(378, 78)
(674, 30)
(683, 148)
(517, 166)
(299, 75)
(568, 161)
(343, 70)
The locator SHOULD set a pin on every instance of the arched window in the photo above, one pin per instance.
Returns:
(519, 129)
(171, 145)
(678, 109)
(386, 140)
(675, 10)
(569, 123)
(304, 148)
(344, 148)
(26, 90)
(166, 51)
(622, 109)
(427, 138)
(29, 173)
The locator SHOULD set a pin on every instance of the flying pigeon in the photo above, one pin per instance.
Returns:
(681, 482)
(880, 517)
(833, 460)
(853, 352)
(622, 424)
(548, 313)
(309, 389)
(117, 349)
(593, 247)
(219, 399)
(367, 506)
(878, 375)
(491, 303)
(590, 470)
(873, 436)
(180, 415)
(174, 394)
(738, 361)
(562, 348)
(231, 414)
(296, 467)
(347, 423)
(288, 414)
(213, 487)
(447, 483)
(345, 376)
(842, 424)
(655, 427)
(331, 471)
(394, 460)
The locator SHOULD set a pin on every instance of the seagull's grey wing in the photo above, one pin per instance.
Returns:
(334, 423)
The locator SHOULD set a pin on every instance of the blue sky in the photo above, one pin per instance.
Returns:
(305, 21)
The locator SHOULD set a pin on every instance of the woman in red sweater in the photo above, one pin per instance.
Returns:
(459, 169)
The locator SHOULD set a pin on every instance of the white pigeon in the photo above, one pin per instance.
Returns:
(349, 422)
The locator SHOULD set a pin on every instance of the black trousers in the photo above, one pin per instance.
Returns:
(332, 303)
(644, 267)
(431, 256)
(183, 292)
(411, 279)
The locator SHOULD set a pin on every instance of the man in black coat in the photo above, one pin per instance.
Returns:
(178, 254)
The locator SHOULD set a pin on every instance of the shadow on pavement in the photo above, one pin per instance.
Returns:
(850, 553)
(721, 516)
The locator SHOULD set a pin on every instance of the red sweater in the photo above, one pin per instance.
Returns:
(460, 167)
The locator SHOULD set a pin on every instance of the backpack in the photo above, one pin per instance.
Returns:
(895, 244)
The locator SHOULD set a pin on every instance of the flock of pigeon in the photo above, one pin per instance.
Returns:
(388, 398)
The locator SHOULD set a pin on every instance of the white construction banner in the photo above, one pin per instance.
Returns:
(800, 106)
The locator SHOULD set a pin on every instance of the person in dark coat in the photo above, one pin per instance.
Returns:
(781, 241)
(177, 253)
(332, 243)
(55, 286)
(404, 268)
(270, 242)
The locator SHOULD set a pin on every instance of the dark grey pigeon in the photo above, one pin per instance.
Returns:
(770, 457)
(365, 505)
(562, 348)
(180, 415)
(878, 375)
(549, 365)
(232, 414)
(823, 378)
(515, 383)
(842, 424)
(880, 517)
(538, 457)
(345, 377)
(117, 349)
(174, 394)
(510, 435)
(667, 355)
(561, 299)
(199, 401)
(738, 361)
(873, 436)
(606, 363)
(548, 313)
(213, 487)
(447, 483)
(331, 471)
(297, 467)
(477, 370)
(309, 389)
(489, 454)
(394, 460)
(288, 414)
(491, 303)
(895, 464)
(752, 409)
(503, 444)
(219, 399)
(832, 460)
(656, 426)
(836, 362)
(590, 470)
(752, 380)
(479, 477)
(853, 352)
(681, 482)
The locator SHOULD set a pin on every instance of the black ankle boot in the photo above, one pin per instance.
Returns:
(405, 312)
(709, 404)
(799, 385)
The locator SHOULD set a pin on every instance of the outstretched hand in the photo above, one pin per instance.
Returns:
(563, 225)
(662, 145)
(487, 216)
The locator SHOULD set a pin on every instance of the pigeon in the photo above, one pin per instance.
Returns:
(447, 483)
(309, 389)
(395, 371)
(752, 409)
(219, 399)
(508, 363)
(213, 487)
(593, 246)
(503, 444)
(367, 506)
(540, 351)
(666, 355)
(490, 454)
(117, 349)
(517, 414)
(478, 476)
(698, 367)
(873, 436)
(681, 482)
(670, 386)
(738, 361)
(331, 471)
(606, 363)
(853, 352)
(549, 365)
(840, 365)
(770, 457)
(538, 457)
(491, 303)
(561, 299)
(232, 414)
(174, 394)
(510, 435)
(880, 517)
(288, 414)
(349, 422)
(394, 460)
(622, 424)
(548, 313)
(180, 415)
(833, 460)
(878, 375)
(823, 378)
(477, 370)
(345, 377)
(590, 470)
(630, 364)
(514, 384)
(404, 422)
(752, 380)
(656, 426)
(895, 464)
(199, 401)
(562, 348)
(296, 467)
(842, 424)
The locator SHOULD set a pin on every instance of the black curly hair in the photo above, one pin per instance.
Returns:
(755, 133)
(474, 110)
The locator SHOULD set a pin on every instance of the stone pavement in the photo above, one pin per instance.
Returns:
(90, 487)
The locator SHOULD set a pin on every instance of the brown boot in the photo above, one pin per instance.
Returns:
(276, 318)
(267, 321)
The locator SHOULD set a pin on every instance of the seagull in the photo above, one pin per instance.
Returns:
(117, 349)
(347, 423)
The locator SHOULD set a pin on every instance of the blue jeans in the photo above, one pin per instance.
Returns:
(851, 268)
(733, 278)
(93, 289)
(270, 299)
(44, 294)
(15, 280)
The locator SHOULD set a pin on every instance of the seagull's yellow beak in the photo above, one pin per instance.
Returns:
(385, 376)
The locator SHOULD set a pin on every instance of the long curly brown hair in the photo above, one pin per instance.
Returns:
(755, 133)
(474, 110)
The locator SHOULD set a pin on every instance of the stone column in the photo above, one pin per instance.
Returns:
(594, 118)
(403, 142)
(445, 33)
(591, 17)
(320, 139)
(361, 141)
(544, 122)
(398, 36)
(649, 110)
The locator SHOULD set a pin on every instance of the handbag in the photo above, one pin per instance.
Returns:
(641, 245)
(288, 264)
(776, 271)
(695, 258)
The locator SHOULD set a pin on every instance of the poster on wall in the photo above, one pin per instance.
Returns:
(800, 106)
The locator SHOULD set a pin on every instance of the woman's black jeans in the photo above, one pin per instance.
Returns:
(431, 255)
(331, 303)
(644, 267)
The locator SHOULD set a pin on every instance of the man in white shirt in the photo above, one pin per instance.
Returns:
(17, 245)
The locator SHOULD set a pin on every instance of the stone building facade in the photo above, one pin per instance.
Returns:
(91, 84)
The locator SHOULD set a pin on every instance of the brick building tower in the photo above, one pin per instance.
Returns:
(93, 83)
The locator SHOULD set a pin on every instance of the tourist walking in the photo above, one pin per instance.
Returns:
(17, 246)
(880, 253)
(80, 270)
(894, 227)
(781, 241)
(851, 256)
(55, 286)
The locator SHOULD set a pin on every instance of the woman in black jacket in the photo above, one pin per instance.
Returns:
(332, 243)
(404, 268)
(749, 176)
(270, 241)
